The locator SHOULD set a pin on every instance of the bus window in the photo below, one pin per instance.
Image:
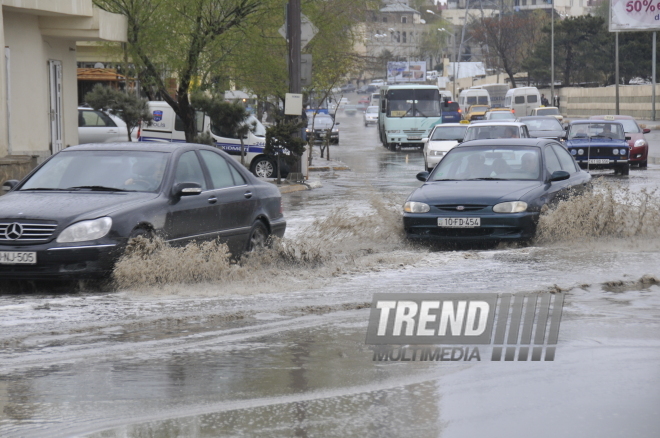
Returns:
(400, 103)
(483, 100)
(471, 100)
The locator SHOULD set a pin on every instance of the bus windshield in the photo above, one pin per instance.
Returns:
(413, 103)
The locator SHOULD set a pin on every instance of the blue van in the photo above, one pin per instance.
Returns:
(451, 112)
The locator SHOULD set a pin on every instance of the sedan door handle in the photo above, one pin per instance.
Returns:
(248, 195)
(213, 200)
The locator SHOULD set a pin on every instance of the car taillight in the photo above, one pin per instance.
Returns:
(459, 111)
(513, 111)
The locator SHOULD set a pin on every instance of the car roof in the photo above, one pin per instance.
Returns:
(537, 142)
(590, 121)
(619, 117)
(537, 118)
(137, 146)
(546, 107)
(451, 125)
(496, 123)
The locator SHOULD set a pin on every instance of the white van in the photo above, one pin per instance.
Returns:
(473, 96)
(446, 94)
(168, 127)
(522, 100)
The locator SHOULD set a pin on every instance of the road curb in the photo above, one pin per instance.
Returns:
(327, 168)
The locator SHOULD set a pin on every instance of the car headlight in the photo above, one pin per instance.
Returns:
(580, 151)
(438, 153)
(616, 151)
(640, 143)
(335, 129)
(622, 152)
(394, 131)
(510, 207)
(573, 152)
(308, 130)
(85, 230)
(416, 207)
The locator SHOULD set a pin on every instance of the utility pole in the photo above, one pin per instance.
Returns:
(293, 37)
(653, 74)
(552, 55)
(616, 70)
(293, 31)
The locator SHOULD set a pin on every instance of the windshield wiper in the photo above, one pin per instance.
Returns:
(486, 179)
(99, 189)
(39, 188)
(447, 180)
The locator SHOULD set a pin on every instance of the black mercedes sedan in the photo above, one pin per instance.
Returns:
(72, 216)
(491, 190)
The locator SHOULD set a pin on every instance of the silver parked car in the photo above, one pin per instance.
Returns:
(99, 127)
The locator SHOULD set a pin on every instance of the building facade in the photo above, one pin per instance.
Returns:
(38, 85)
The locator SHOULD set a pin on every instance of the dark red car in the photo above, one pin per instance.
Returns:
(639, 146)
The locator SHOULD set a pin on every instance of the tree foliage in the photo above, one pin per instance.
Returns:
(180, 39)
(131, 109)
(227, 117)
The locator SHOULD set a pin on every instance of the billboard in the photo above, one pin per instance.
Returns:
(412, 71)
(632, 15)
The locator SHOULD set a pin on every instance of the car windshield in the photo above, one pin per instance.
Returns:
(629, 125)
(320, 119)
(549, 124)
(413, 103)
(489, 162)
(449, 133)
(485, 132)
(451, 107)
(478, 108)
(501, 115)
(372, 110)
(139, 171)
(596, 130)
(547, 112)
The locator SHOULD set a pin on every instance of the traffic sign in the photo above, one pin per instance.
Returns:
(307, 31)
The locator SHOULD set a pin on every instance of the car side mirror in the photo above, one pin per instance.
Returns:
(646, 130)
(425, 140)
(186, 189)
(423, 176)
(9, 184)
(628, 138)
(559, 175)
(336, 124)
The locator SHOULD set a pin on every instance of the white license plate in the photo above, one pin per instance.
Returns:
(459, 222)
(18, 258)
(599, 161)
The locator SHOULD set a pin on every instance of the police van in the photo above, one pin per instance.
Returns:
(168, 127)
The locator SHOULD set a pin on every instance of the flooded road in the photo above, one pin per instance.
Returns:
(276, 347)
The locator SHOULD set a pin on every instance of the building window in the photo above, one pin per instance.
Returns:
(398, 36)
(404, 20)
(404, 37)
(533, 2)
(374, 18)
(384, 19)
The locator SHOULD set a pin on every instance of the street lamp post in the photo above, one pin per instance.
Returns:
(552, 54)
(453, 82)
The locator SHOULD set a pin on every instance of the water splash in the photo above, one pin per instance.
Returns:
(344, 241)
(606, 212)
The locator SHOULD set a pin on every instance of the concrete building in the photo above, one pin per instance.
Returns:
(38, 87)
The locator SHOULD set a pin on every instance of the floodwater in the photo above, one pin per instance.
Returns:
(192, 345)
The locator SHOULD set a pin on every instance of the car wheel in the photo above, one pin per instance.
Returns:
(264, 168)
(625, 170)
(141, 232)
(643, 164)
(258, 237)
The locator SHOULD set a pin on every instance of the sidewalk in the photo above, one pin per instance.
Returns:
(318, 165)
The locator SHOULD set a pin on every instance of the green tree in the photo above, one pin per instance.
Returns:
(131, 109)
(583, 51)
(227, 118)
(180, 39)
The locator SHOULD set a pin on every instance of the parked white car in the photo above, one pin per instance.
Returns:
(442, 138)
(371, 115)
(99, 127)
